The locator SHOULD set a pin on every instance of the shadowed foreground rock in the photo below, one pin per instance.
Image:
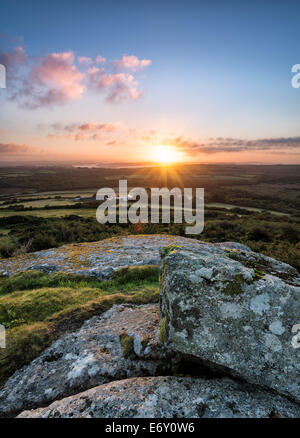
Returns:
(234, 310)
(169, 397)
(121, 343)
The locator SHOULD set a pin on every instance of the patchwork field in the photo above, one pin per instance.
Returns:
(255, 205)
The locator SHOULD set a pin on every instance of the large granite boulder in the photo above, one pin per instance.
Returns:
(122, 343)
(233, 310)
(169, 397)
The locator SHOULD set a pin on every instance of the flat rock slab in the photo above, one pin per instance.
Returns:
(233, 310)
(169, 397)
(97, 259)
(122, 343)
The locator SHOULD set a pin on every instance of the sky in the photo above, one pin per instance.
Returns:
(101, 81)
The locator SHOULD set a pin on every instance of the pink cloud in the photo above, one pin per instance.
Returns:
(10, 59)
(131, 62)
(82, 131)
(100, 59)
(14, 62)
(115, 143)
(84, 60)
(91, 126)
(93, 75)
(13, 148)
(119, 87)
(55, 79)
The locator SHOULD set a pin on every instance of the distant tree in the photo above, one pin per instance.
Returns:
(258, 233)
(289, 233)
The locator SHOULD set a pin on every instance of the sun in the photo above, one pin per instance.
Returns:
(166, 154)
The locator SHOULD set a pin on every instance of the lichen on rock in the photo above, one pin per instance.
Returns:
(231, 315)
(169, 397)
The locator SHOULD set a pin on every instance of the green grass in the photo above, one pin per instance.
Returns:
(63, 193)
(37, 308)
(51, 213)
(41, 203)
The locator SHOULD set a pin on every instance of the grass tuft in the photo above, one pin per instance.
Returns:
(127, 344)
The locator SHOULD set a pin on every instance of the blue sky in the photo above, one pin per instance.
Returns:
(218, 69)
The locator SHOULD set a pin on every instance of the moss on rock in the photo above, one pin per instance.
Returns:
(127, 345)
(163, 331)
(234, 287)
(170, 249)
(258, 274)
(162, 274)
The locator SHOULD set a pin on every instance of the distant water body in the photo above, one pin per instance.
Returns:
(114, 166)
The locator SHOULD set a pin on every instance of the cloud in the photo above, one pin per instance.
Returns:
(14, 62)
(131, 62)
(11, 59)
(91, 126)
(13, 148)
(119, 86)
(59, 78)
(84, 60)
(82, 131)
(227, 144)
(100, 59)
(54, 80)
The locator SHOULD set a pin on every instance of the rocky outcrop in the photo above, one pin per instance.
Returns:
(233, 310)
(225, 323)
(95, 259)
(169, 397)
(122, 343)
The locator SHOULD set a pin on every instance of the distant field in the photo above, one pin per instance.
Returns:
(255, 205)
(64, 194)
(42, 203)
(14, 175)
(231, 206)
(253, 187)
(91, 212)
(51, 213)
(70, 194)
